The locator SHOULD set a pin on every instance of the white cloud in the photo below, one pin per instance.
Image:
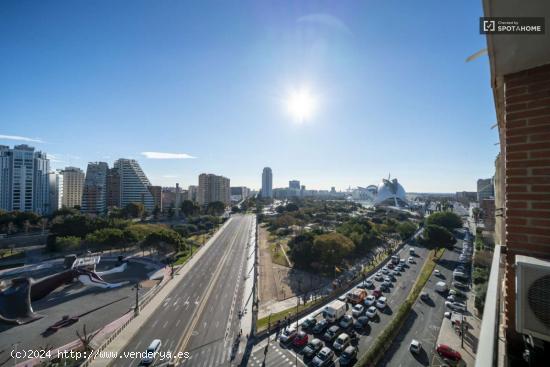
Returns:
(21, 138)
(327, 20)
(161, 155)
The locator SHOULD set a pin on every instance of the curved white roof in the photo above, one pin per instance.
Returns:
(390, 193)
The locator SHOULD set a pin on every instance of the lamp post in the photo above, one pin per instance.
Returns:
(137, 287)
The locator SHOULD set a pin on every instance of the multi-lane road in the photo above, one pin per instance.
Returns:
(201, 315)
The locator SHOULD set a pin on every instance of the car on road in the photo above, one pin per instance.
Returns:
(371, 312)
(381, 303)
(425, 296)
(460, 285)
(332, 333)
(369, 301)
(309, 323)
(361, 322)
(377, 292)
(323, 358)
(341, 342)
(300, 339)
(448, 353)
(346, 322)
(410, 260)
(320, 327)
(312, 348)
(357, 310)
(288, 334)
(151, 352)
(348, 356)
(415, 346)
(456, 306)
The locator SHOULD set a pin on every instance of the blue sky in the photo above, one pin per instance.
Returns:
(100, 80)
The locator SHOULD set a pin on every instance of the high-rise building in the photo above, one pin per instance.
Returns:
(294, 184)
(267, 183)
(94, 192)
(24, 184)
(192, 193)
(156, 191)
(55, 182)
(239, 193)
(485, 189)
(73, 183)
(134, 185)
(213, 188)
(113, 188)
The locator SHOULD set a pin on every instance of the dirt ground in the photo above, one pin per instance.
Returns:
(278, 282)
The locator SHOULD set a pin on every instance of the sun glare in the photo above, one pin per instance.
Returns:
(301, 105)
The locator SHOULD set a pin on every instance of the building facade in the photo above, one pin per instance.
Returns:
(94, 192)
(294, 184)
(239, 193)
(485, 189)
(156, 191)
(73, 183)
(192, 193)
(24, 182)
(213, 188)
(113, 188)
(56, 191)
(134, 184)
(267, 183)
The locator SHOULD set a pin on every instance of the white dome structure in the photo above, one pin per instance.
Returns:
(390, 193)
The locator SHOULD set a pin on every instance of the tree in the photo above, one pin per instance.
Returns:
(406, 229)
(189, 208)
(449, 220)
(438, 236)
(332, 248)
(215, 208)
(301, 250)
(165, 240)
(108, 237)
(134, 210)
(59, 244)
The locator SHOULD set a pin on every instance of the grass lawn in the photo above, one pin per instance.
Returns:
(262, 323)
(183, 256)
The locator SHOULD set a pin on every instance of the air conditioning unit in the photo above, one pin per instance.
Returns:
(533, 297)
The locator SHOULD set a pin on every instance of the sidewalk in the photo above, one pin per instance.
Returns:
(120, 341)
(450, 337)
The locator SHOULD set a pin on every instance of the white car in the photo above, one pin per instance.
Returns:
(437, 273)
(411, 260)
(381, 303)
(341, 342)
(370, 300)
(451, 298)
(456, 306)
(369, 283)
(288, 334)
(371, 312)
(415, 346)
(357, 310)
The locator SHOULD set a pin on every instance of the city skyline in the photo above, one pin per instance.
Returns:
(315, 92)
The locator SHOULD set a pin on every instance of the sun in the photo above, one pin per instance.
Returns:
(301, 104)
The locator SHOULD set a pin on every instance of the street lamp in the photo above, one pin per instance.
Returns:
(137, 287)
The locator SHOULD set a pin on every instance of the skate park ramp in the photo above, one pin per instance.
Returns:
(15, 303)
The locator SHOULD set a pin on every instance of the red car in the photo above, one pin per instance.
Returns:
(377, 292)
(447, 352)
(390, 266)
(300, 340)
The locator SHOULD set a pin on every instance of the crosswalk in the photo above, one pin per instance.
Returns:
(214, 354)
(276, 357)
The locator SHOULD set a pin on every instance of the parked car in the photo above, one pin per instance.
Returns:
(425, 296)
(348, 356)
(346, 322)
(343, 298)
(357, 310)
(448, 353)
(381, 303)
(320, 327)
(385, 286)
(371, 312)
(361, 322)
(451, 298)
(341, 342)
(456, 306)
(369, 301)
(309, 323)
(394, 273)
(323, 358)
(378, 276)
(385, 270)
(288, 334)
(312, 348)
(300, 339)
(437, 273)
(415, 346)
(410, 260)
(390, 266)
(369, 283)
(332, 333)
(460, 285)
(377, 292)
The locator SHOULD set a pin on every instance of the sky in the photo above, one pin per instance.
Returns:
(187, 87)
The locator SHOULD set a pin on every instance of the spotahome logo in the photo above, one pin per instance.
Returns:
(512, 25)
